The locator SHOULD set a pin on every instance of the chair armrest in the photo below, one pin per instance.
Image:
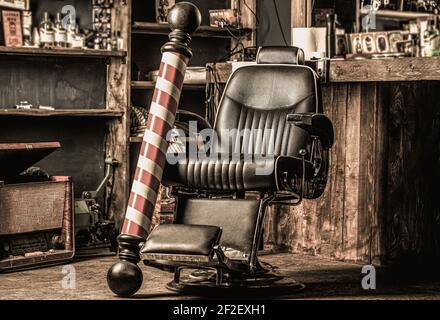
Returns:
(316, 124)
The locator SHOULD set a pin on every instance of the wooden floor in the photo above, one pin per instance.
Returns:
(324, 280)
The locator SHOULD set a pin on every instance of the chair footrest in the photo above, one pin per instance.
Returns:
(182, 240)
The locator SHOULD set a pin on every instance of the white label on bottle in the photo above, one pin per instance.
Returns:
(46, 36)
(78, 42)
(60, 37)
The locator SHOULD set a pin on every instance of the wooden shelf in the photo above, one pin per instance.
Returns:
(86, 53)
(203, 31)
(397, 69)
(150, 85)
(61, 113)
(399, 15)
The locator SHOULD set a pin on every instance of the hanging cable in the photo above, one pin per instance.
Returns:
(279, 22)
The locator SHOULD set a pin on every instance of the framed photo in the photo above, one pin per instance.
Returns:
(368, 43)
(382, 42)
(341, 45)
(394, 37)
(13, 36)
(162, 9)
(356, 43)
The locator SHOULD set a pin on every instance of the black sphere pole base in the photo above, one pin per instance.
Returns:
(124, 278)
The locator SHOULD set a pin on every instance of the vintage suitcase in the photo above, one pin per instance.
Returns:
(36, 214)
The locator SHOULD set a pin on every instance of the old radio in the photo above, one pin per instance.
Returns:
(36, 220)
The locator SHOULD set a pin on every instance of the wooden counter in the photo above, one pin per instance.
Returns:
(380, 205)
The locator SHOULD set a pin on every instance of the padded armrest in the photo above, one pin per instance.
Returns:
(183, 239)
(315, 124)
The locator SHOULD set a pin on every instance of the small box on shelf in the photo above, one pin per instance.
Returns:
(11, 22)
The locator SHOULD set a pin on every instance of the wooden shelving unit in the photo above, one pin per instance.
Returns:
(399, 15)
(71, 81)
(87, 53)
(61, 113)
(203, 31)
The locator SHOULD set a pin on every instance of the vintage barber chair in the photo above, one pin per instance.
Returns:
(270, 137)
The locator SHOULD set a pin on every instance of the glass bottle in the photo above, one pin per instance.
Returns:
(47, 34)
(60, 33)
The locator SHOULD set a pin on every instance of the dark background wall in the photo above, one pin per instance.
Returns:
(268, 30)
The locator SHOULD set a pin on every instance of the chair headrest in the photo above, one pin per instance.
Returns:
(280, 55)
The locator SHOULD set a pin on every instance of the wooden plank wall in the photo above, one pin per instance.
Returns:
(118, 97)
(412, 224)
(380, 202)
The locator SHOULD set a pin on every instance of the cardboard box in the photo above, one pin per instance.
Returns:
(12, 28)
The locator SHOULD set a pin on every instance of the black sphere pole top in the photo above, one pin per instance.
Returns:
(184, 18)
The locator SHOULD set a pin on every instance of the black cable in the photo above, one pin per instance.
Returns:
(279, 23)
(231, 34)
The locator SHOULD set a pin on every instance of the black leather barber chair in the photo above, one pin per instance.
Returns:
(272, 139)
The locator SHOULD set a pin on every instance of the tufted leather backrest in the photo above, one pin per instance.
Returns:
(260, 97)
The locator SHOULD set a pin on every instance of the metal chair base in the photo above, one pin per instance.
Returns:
(207, 281)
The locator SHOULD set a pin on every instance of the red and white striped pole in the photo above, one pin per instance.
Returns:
(125, 277)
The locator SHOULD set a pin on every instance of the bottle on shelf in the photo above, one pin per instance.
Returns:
(47, 34)
(36, 37)
(27, 28)
(71, 34)
(79, 40)
(60, 33)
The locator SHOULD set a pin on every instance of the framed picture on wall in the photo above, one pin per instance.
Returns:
(162, 8)
(11, 21)
(382, 42)
(356, 43)
(368, 43)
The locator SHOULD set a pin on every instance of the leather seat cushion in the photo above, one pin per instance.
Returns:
(182, 239)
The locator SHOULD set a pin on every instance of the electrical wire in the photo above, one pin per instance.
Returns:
(279, 22)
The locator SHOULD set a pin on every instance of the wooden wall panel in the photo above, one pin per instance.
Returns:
(118, 97)
(380, 205)
(412, 221)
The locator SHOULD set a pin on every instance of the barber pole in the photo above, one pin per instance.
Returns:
(152, 156)
(125, 277)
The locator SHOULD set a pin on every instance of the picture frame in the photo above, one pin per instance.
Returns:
(368, 43)
(382, 42)
(162, 9)
(341, 45)
(394, 37)
(12, 28)
(356, 43)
